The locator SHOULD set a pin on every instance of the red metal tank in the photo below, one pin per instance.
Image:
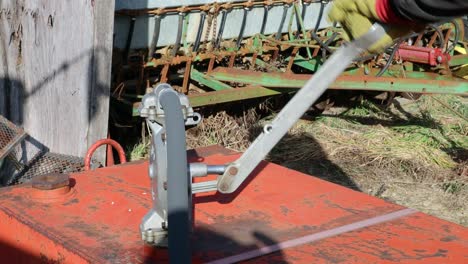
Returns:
(280, 216)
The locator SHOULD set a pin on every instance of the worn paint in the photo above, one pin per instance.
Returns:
(369, 83)
(459, 60)
(99, 223)
(207, 81)
(261, 84)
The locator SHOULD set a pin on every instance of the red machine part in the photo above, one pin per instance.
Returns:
(107, 141)
(280, 216)
(429, 56)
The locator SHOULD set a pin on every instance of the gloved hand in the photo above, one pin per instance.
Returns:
(357, 17)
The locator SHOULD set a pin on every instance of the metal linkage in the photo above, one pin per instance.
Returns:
(155, 39)
(283, 18)
(266, 9)
(221, 29)
(196, 44)
(179, 34)
(242, 28)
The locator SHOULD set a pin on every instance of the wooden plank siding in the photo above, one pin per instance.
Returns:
(55, 68)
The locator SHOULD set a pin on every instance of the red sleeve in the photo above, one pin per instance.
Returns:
(386, 13)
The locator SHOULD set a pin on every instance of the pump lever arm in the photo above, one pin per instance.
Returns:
(239, 170)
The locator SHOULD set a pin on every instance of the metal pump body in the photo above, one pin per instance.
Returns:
(154, 225)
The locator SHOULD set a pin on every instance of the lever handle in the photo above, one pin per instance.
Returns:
(239, 170)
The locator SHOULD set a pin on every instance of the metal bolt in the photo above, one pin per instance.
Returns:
(152, 109)
(233, 171)
(149, 236)
(268, 128)
(439, 59)
(50, 181)
(224, 187)
(149, 232)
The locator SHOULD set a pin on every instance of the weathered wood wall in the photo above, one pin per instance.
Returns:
(55, 65)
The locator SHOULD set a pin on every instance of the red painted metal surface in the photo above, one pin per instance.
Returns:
(99, 221)
(109, 154)
(429, 56)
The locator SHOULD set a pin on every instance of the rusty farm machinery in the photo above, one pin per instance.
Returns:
(230, 51)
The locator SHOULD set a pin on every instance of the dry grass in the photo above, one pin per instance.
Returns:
(139, 151)
(223, 129)
(380, 147)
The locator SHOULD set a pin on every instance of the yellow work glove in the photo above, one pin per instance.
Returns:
(357, 17)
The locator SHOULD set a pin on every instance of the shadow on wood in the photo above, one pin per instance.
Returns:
(55, 69)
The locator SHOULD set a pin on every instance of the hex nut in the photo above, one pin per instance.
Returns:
(50, 181)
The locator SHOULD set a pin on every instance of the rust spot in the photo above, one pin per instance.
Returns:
(71, 202)
(95, 209)
(448, 238)
(308, 202)
(50, 181)
(284, 210)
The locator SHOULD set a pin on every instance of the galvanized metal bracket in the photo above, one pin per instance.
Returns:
(161, 117)
(167, 112)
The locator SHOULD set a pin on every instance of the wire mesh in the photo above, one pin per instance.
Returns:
(22, 158)
(44, 163)
(51, 163)
(10, 136)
